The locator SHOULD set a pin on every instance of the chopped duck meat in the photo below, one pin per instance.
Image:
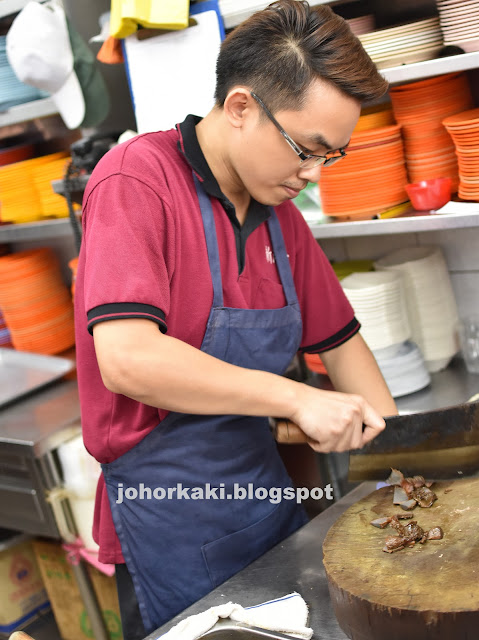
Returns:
(407, 489)
(393, 543)
(395, 477)
(382, 523)
(399, 495)
(424, 497)
(407, 505)
(435, 533)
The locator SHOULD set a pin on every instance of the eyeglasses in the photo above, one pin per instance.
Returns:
(308, 161)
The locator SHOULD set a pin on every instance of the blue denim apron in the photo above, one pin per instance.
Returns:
(178, 549)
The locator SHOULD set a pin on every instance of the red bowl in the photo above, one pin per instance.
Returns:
(428, 195)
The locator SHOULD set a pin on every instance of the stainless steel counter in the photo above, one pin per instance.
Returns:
(42, 420)
(451, 386)
(294, 565)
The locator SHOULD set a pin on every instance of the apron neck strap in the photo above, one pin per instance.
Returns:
(211, 243)
(277, 241)
(281, 258)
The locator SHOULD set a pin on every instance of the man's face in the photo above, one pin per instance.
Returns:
(266, 164)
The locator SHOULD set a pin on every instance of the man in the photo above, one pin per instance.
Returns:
(199, 280)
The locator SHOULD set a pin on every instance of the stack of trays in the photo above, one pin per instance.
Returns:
(35, 302)
(431, 305)
(403, 368)
(12, 91)
(406, 43)
(379, 304)
(26, 193)
(420, 108)
(464, 130)
(459, 21)
(369, 179)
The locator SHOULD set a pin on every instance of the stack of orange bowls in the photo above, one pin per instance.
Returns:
(369, 179)
(464, 130)
(375, 118)
(35, 302)
(420, 108)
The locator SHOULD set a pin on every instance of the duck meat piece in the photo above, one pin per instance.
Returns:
(399, 495)
(435, 533)
(407, 505)
(395, 477)
(408, 486)
(399, 528)
(382, 523)
(424, 497)
(393, 543)
(418, 481)
(413, 530)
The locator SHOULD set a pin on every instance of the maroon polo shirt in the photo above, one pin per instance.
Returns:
(144, 255)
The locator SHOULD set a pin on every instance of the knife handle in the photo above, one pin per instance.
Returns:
(287, 432)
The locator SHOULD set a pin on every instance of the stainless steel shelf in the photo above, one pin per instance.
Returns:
(34, 230)
(28, 111)
(406, 224)
(418, 70)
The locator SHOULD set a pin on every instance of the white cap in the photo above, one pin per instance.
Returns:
(39, 51)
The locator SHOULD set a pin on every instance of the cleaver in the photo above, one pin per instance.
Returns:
(436, 444)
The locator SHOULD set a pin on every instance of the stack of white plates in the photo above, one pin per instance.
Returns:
(403, 369)
(12, 91)
(430, 301)
(379, 304)
(406, 43)
(361, 25)
(460, 23)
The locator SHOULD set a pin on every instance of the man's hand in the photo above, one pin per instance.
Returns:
(334, 421)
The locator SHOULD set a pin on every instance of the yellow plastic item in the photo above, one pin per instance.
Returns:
(127, 15)
(396, 211)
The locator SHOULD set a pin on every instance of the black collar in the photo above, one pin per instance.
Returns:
(189, 146)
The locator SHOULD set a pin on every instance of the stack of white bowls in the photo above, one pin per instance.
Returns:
(379, 304)
(404, 369)
(430, 301)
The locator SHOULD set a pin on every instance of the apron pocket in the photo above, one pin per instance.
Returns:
(227, 555)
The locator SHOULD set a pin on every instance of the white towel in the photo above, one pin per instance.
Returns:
(288, 615)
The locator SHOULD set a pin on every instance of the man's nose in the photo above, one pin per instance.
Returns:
(311, 175)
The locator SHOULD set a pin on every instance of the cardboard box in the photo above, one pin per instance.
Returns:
(22, 592)
(64, 594)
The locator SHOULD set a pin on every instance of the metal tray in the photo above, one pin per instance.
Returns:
(229, 630)
(22, 372)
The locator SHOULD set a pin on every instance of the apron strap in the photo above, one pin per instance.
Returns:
(211, 243)
(281, 258)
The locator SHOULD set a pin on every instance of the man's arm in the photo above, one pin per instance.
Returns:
(352, 368)
(138, 361)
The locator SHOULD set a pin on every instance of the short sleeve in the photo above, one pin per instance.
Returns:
(328, 317)
(128, 239)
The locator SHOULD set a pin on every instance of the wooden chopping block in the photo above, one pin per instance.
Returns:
(427, 592)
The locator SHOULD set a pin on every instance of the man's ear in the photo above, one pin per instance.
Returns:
(238, 106)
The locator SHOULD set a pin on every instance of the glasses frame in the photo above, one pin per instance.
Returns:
(324, 161)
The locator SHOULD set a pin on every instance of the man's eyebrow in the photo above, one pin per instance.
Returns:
(319, 140)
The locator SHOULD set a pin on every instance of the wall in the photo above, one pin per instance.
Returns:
(460, 246)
